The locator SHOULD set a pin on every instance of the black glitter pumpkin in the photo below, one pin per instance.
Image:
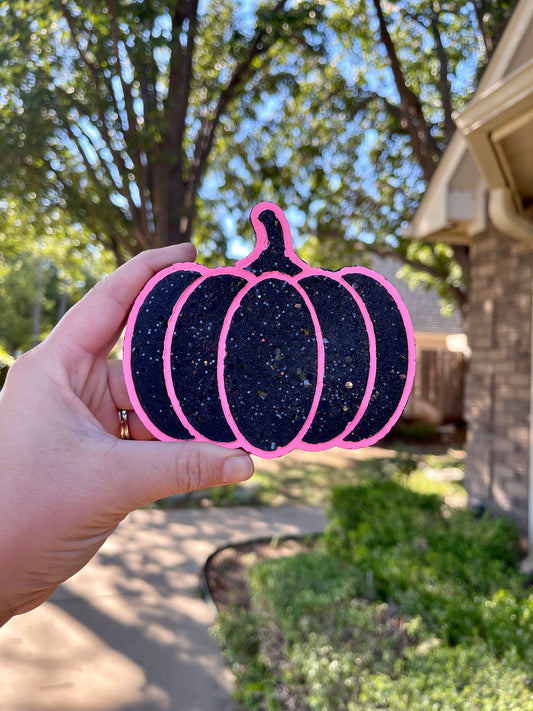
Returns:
(270, 354)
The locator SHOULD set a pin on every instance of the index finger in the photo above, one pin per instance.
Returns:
(96, 321)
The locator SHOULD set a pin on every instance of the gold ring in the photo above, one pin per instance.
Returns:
(124, 427)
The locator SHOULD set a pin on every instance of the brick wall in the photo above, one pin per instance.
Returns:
(497, 397)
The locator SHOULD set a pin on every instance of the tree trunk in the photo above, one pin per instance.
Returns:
(173, 217)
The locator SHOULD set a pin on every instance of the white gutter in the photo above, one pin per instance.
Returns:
(505, 217)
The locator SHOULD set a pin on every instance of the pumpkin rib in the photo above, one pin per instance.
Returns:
(335, 441)
(410, 359)
(129, 335)
(183, 417)
(222, 353)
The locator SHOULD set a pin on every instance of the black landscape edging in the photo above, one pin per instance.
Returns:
(205, 591)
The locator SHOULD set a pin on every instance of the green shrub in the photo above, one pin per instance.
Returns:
(404, 605)
(376, 513)
(431, 561)
(415, 431)
(461, 678)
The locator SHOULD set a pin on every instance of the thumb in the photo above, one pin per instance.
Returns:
(146, 471)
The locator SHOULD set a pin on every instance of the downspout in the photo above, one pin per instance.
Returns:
(505, 216)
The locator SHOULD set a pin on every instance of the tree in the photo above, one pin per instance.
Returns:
(367, 126)
(110, 110)
(138, 117)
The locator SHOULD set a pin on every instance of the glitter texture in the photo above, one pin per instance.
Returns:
(269, 355)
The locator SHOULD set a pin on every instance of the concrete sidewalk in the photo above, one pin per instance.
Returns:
(130, 632)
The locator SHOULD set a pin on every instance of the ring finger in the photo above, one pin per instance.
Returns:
(122, 401)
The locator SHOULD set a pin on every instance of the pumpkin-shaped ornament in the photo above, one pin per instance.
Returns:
(271, 354)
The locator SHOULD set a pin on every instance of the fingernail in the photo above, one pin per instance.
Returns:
(237, 468)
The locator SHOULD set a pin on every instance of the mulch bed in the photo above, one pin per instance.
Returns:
(225, 571)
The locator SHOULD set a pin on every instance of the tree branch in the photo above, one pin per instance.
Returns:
(118, 159)
(444, 83)
(132, 132)
(480, 9)
(413, 120)
(89, 167)
(208, 128)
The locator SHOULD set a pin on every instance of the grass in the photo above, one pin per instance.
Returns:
(308, 477)
(406, 604)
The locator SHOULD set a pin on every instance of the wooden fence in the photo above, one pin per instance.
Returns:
(438, 390)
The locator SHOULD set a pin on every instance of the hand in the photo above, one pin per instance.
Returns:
(66, 478)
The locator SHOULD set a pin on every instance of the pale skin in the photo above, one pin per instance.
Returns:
(66, 478)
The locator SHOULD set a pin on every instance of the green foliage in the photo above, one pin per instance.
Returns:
(257, 683)
(110, 110)
(382, 513)
(139, 119)
(342, 143)
(45, 265)
(223, 495)
(432, 565)
(415, 431)
(405, 605)
(451, 679)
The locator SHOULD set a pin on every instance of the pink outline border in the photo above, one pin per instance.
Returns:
(411, 363)
(297, 441)
(238, 270)
(128, 334)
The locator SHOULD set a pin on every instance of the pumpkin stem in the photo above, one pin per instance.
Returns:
(274, 256)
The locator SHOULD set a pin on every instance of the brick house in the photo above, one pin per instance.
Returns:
(482, 196)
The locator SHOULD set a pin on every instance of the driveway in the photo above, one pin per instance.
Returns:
(130, 632)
